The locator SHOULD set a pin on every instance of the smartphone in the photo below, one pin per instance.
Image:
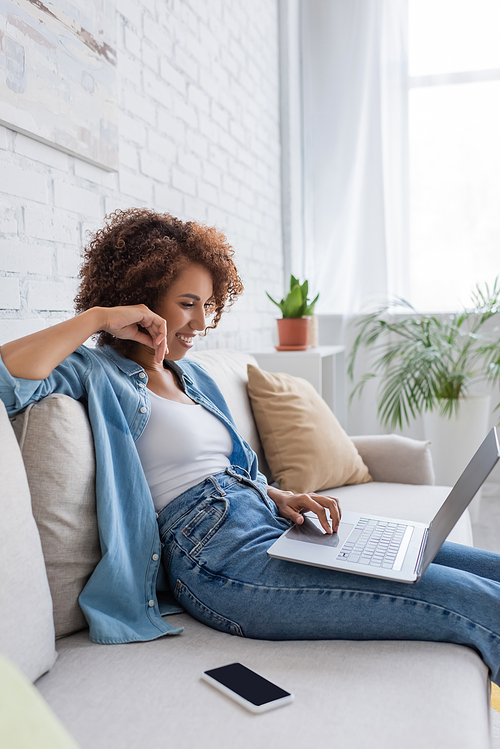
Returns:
(247, 688)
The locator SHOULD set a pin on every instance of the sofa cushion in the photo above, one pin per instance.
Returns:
(306, 448)
(26, 622)
(25, 718)
(58, 451)
(378, 694)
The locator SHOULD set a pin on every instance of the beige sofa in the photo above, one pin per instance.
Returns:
(348, 694)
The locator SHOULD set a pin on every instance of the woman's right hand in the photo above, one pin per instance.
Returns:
(35, 356)
(123, 322)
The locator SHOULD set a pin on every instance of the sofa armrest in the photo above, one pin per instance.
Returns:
(395, 459)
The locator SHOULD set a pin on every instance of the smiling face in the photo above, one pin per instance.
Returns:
(185, 306)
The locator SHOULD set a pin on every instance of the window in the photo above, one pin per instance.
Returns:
(454, 149)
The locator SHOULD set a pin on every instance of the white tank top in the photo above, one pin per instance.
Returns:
(180, 446)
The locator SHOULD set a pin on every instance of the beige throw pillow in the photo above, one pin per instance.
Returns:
(305, 446)
(58, 451)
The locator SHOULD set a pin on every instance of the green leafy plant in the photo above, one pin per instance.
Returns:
(296, 303)
(425, 362)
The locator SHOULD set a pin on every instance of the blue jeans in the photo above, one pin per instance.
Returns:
(215, 537)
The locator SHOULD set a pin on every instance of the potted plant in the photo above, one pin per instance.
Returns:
(296, 310)
(427, 364)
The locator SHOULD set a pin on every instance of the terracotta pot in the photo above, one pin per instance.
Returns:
(292, 332)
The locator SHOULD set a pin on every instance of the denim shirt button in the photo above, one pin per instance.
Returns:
(142, 374)
(142, 385)
(151, 604)
(143, 410)
(155, 557)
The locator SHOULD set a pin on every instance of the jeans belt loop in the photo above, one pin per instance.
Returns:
(233, 471)
(218, 488)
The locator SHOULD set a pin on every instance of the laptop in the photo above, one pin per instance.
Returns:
(383, 547)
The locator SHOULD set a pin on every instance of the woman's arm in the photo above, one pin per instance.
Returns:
(35, 356)
(291, 505)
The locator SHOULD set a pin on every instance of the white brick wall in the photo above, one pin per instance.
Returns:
(199, 138)
(10, 297)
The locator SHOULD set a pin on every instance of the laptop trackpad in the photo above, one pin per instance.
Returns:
(312, 532)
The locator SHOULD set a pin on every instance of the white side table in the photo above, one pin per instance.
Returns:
(323, 367)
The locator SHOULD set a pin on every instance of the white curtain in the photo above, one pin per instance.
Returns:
(354, 130)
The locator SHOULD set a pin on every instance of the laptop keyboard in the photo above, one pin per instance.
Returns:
(373, 542)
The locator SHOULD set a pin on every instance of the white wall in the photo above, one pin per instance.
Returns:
(199, 138)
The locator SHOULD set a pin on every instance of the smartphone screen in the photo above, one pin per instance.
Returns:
(250, 686)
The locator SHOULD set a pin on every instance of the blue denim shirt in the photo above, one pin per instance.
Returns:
(121, 598)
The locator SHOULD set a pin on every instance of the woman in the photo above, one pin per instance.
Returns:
(181, 503)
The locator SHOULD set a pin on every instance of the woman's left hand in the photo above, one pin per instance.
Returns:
(291, 506)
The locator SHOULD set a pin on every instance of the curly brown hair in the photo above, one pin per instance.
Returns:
(139, 253)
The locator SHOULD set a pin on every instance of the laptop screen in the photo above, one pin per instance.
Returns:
(461, 495)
